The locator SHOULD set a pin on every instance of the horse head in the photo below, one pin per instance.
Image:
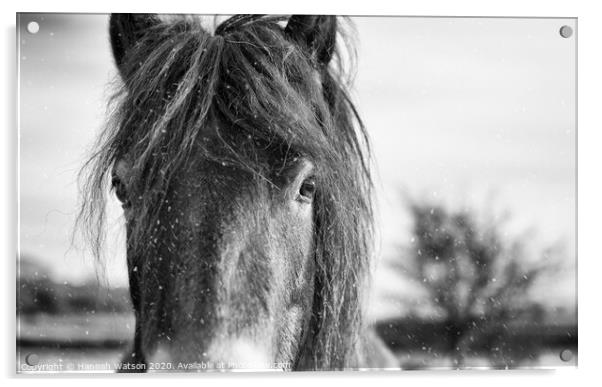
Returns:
(242, 168)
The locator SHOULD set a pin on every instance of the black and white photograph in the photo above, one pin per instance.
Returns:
(204, 193)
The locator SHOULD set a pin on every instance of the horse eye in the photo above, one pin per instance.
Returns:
(308, 189)
(120, 189)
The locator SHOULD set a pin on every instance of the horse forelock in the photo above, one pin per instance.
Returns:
(182, 86)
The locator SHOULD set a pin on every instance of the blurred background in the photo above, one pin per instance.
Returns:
(473, 127)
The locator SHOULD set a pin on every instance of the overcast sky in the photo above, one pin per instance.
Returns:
(460, 110)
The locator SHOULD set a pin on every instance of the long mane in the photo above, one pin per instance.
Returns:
(251, 77)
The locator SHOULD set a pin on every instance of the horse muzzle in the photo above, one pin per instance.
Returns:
(236, 354)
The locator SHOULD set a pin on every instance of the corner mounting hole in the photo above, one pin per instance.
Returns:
(566, 31)
(33, 27)
(566, 355)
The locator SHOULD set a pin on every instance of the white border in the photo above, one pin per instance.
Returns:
(589, 194)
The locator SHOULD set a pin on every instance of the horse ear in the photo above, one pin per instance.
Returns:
(126, 29)
(314, 32)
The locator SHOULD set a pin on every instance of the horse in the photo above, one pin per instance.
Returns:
(243, 170)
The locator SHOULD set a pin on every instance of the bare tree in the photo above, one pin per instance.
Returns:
(477, 279)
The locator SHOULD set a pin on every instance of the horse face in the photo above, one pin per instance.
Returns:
(215, 145)
(228, 275)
